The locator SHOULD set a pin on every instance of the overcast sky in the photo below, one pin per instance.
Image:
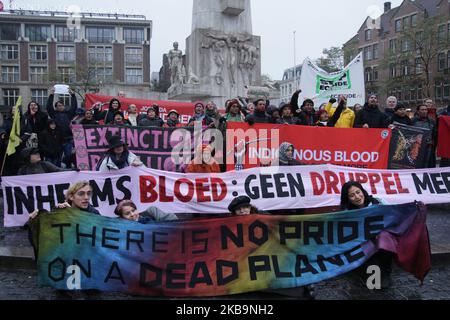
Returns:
(318, 24)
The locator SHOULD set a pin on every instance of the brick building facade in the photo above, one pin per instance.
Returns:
(38, 50)
(385, 37)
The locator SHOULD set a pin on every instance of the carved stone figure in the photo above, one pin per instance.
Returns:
(192, 78)
(176, 65)
(232, 42)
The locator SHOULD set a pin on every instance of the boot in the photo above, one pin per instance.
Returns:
(309, 292)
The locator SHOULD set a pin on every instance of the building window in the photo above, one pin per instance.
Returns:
(446, 90)
(38, 32)
(10, 97)
(414, 20)
(133, 35)
(413, 95)
(407, 94)
(375, 51)
(406, 45)
(9, 32)
(133, 55)
(66, 53)
(369, 35)
(448, 33)
(398, 25)
(64, 34)
(419, 40)
(100, 35)
(442, 61)
(392, 46)
(420, 93)
(368, 53)
(38, 74)
(10, 74)
(419, 66)
(438, 91)
(448, 59)
(405, 68)
(375, 73)
(101, 74)
(406, 23)
(66, 74)
(100, 54)
(392, 71)
(134, 76)
(441, 33)
(368, 74)
(9, 52)
(40, 96)
(38, 52)
(399, 94)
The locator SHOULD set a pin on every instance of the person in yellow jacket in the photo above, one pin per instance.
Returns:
(347, 118)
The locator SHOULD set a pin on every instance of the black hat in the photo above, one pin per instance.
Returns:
(26, 153)
(287, 105)
(309, 101)
(238, 203)
(399, 106)
(115, 142)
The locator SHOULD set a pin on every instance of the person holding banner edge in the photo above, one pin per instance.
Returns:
(127, 210)
(355, 197)
(118, 156)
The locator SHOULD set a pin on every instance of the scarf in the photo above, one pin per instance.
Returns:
(122, 162)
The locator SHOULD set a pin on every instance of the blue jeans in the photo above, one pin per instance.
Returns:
(67, 151)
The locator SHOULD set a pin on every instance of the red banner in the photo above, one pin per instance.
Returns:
(444, 137)
(361, 148)
(184, 109)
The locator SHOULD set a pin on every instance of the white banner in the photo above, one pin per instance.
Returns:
(321, 86)
(272, 188)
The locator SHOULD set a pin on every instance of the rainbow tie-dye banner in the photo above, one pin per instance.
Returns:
(225, 256)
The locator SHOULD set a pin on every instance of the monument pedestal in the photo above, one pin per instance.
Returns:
(221, 52)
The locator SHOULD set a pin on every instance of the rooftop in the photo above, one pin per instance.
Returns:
(62, 14)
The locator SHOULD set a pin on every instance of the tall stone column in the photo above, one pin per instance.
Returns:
(221, 52)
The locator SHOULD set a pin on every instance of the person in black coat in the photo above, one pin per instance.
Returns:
(260, 115)
(307, 114)
(34, 164)
(63, 118)
(107, 116)
(35, 118)
(371, 116)
(51, 143)
(152, 119)
(287, 115)
(89, 118)
(13, 162)
(400, 116)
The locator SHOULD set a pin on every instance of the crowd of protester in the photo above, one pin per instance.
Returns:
(49, 132)
(47, 144)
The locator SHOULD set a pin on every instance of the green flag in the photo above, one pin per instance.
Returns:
(14, 137)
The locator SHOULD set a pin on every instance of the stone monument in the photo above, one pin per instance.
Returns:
(222, 55)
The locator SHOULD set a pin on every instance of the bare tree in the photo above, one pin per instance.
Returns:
(415, 51)
(332, 59)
